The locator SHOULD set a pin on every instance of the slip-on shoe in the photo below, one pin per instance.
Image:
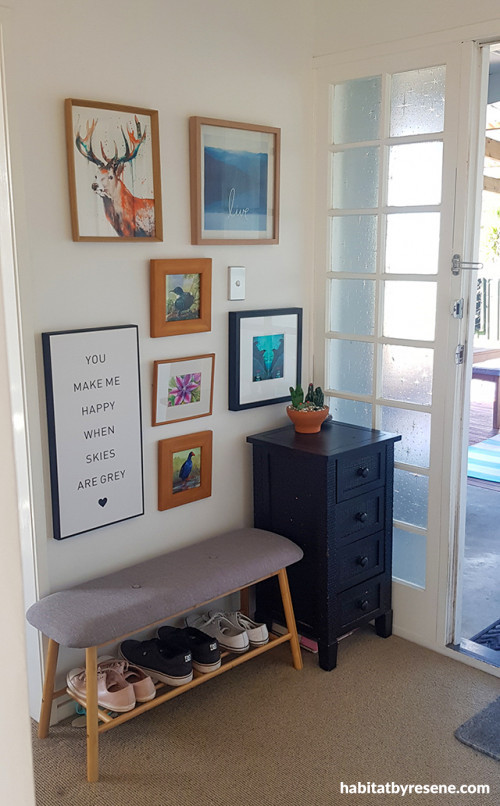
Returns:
(204, 649)
(171, 666)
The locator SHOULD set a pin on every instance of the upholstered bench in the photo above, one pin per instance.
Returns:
(108, 609)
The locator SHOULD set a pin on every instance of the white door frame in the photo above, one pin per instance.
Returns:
(475, 62)
(17, 784)
(466, 181)
(14, 346)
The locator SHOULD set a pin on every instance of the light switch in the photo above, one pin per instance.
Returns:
(236, 282)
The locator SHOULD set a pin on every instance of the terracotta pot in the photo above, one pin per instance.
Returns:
(307, 422)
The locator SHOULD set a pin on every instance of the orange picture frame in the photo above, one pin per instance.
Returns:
(180, 296)
(184, 469)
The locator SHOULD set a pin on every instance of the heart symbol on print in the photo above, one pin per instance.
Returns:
(102, 502)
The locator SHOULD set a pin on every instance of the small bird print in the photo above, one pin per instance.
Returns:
(183, 297)
(183, 302)
(186, 469)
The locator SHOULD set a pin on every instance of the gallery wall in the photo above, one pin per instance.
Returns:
(241, 62)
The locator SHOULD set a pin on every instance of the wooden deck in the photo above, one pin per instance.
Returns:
(481, 422)
(481, 427)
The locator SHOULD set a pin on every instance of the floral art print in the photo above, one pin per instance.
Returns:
(184, 389)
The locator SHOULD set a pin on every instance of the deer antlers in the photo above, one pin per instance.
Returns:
(132, 145)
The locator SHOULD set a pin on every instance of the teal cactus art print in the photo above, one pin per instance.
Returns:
(268, 357)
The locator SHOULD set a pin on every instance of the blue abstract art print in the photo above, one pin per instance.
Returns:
(235, 182)
(235, 190)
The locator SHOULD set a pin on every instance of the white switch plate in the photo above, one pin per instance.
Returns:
(236, 282)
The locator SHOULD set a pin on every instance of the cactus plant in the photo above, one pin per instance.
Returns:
(318, 397)
(313, 400)
(297, 396)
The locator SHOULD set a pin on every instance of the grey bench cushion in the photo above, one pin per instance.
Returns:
(111, 606)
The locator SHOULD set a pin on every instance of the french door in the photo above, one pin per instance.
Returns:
(393, 179)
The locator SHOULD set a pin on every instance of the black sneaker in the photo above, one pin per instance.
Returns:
(204, 649)
(171, 666)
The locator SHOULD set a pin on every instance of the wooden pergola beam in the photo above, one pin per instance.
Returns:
(492, 149)
(491, 183)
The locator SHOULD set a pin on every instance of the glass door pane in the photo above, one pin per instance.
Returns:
(382, 270)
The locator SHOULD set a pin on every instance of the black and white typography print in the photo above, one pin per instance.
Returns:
(95, 436)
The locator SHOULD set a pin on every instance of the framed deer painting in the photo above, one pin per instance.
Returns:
(114, 172)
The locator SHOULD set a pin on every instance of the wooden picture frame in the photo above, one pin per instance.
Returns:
(114, 171)
(265, 356)
(176, 486)
(235, 182)
(180, 296)
(183, 388)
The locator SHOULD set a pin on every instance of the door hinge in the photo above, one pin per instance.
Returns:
(459, 354)
(458, 308)
(457, 264)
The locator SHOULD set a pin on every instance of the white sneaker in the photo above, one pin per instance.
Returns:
(258, 634)
(229, 636)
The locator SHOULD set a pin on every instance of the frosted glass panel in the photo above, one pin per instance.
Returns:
(411, 498)
(356, 110)
(408, 557)
(355, 178)
(409, 310)
(415, 174)
(353, 243)
(354, 412)
(352, 306)
(417, 101)
(415, 429)
(412, 245)
(407, 374)
(350, 366)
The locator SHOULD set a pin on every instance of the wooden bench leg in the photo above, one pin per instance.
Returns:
(92, 718)
(496, 406)
(245, 601)
(290, 618)
(48, 689)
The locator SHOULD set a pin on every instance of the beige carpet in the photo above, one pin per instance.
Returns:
(267, 735)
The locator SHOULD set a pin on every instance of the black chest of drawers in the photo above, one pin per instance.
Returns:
(331, 493)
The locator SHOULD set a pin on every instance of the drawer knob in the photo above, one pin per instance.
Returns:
(361, 516)
(364, 604)
(363, 471)
(362, 561)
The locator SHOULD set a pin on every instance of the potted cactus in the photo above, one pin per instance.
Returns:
(307, 412)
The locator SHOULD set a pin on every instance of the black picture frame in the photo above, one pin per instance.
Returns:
(256, 379)
(94, 418)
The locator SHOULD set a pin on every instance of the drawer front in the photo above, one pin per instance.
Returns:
(359, 471)
(360, 516)
(360, 560)
(358, 603)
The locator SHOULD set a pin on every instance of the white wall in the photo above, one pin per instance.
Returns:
(341, 26)
(247, 62)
